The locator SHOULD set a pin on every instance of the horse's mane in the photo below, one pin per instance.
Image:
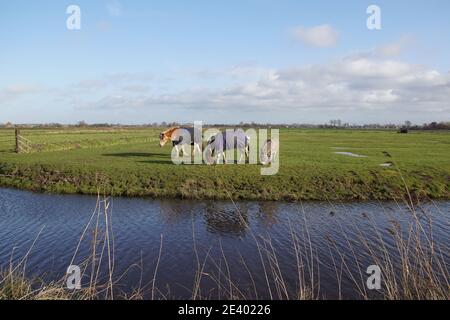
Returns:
(169, 132)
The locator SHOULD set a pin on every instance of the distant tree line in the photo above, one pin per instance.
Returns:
(333, 124)
(433, 126)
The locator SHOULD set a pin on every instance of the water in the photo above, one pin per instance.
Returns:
(351, 154)
(239, 241)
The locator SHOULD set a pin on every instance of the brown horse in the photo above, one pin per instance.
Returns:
(165, 136)
(177, 134)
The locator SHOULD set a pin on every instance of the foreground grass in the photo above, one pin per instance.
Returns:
(129, 162)
(17, 287)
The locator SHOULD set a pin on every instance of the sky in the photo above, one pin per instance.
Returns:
(269, 61)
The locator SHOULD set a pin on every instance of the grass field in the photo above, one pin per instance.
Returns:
(129, 162)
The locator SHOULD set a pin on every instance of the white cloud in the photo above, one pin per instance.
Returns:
(113, 80)
(17, 91)
(234, 72)
(21, 89)
(395, 48)
(91, 84)
(114, 8)
(351, 85)
(136, 88)
(322, 36)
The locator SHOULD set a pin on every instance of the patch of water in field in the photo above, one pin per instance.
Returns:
(351, 154)
(218, 236)
(386, 165)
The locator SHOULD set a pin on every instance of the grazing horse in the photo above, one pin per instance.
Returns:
(222, 142)
(177, 136)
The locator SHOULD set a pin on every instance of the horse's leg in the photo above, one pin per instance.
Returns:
(185, 151)
(263, 155)
(219, 156)
(198, 148)
(207, 155)
(273, 154)
(241, 155)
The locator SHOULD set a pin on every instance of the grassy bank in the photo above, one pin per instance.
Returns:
(129, 162)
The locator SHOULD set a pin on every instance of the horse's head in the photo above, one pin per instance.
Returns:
(163, 138)
(166, 136)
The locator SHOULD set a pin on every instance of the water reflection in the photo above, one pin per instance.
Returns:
(173, 212)
(226, 219)
(268, 213)
(220, 217)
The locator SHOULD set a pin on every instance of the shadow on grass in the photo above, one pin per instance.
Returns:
(150, 157)
(135, 154)
(167, 162)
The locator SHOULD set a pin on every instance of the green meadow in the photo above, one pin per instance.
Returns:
(129, 162)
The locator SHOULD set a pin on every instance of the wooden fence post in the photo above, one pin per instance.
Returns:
(17, 132)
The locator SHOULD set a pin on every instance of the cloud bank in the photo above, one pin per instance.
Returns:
(351, 84)
(359, 85)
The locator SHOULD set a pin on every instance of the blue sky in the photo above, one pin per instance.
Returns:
(224, 61)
